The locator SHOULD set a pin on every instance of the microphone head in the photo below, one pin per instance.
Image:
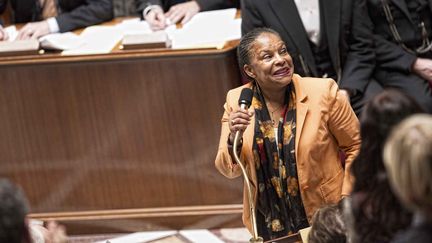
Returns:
(245, 97)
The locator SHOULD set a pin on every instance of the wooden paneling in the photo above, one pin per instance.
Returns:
(117, 132)
(131, 220)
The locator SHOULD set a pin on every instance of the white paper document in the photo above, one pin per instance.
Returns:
(134, 26)
(208, 19)
(98, 40)
(199, 236)
(211, 29)
(12, 32)
(140, 237)
(61, 41)
(236, 234)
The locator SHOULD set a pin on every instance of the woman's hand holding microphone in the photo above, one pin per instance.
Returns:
(238, 121)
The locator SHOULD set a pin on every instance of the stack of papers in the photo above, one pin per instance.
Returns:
(209, 29)
(140, 237)
(65, 41)
(11, 32)
(97, 40)
(194, 236)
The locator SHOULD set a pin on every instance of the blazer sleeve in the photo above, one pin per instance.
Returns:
(360, 60)
(251, 18)
(345, 127)
(392, 56)
(91, 13)
(142, 4)
(224, 162)
(206, 5)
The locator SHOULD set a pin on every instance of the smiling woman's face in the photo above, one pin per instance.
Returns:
(270, 63)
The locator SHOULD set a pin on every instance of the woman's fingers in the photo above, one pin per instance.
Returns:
(239, 120)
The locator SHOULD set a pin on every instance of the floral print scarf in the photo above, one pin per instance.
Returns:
(280, 210)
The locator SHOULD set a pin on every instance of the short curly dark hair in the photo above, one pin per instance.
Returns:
(13, 210)
(246, 42)
(328, 225)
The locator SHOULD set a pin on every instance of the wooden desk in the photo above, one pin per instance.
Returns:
(90, 136)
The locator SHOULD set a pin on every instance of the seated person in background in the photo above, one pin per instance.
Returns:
(376, 212)
(50, 16)
(326, 38)
(160, 13)
(408, 160)
(403, 46)
(293, 133)
(328, 225)
(14, 226)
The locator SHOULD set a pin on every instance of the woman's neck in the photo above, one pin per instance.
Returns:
(275, 97)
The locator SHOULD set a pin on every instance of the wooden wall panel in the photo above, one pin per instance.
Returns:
(116, 134)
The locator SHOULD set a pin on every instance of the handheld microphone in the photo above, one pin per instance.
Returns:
(244, 102)
(245, 99)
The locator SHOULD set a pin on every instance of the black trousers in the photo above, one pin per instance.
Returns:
(410, 84)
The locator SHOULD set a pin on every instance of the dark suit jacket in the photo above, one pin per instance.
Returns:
(347, 30)
(73, 14)
(394, 63)
(391, 56)
(3, 5)
(205, 5)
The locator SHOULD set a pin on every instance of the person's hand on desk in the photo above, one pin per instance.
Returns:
(184, 11)
(56, 233)
(33, 30)
(156, 18)
(52, 232)
(3, 34)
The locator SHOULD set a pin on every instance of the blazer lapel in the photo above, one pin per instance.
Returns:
(332, 22)
(287, 13)
(302, 110)
(401, 4)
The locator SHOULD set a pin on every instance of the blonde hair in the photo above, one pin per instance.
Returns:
(408, 160)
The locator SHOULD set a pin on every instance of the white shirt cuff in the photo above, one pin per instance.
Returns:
(53, 25)
(149, 8)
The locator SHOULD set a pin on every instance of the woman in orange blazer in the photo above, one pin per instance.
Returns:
(293, 134)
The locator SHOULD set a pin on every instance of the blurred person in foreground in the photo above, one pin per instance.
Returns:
(42, 17)
(293, 133)
(408, 160)
(15, 227)
(377, 214)
(328, 225)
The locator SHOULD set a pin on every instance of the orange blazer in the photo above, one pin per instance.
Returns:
(326, 124)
